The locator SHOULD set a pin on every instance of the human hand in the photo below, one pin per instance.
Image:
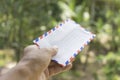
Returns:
(35, 64)
(40, 61)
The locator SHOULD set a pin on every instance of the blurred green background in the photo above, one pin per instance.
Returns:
(21, 21)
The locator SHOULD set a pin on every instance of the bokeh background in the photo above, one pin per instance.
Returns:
(21, 21)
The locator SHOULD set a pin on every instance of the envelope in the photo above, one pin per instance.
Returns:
(69, 37)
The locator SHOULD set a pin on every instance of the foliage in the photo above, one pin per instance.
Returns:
(23, 20)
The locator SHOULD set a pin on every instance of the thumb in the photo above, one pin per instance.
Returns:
(53, 51)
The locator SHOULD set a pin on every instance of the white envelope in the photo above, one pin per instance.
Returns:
(69, 37)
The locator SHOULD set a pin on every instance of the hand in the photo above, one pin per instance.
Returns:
(35, 64)
(42, 59)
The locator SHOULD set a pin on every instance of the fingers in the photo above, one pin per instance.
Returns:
(52, 51)
(29, 48)
(69, 66)
(55, 68)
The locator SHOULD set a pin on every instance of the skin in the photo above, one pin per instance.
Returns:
(35, 64)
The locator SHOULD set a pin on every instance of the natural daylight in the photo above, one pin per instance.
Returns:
(21, 21)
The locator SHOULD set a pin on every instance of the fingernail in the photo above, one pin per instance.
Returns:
(56, 47)
(55, 50)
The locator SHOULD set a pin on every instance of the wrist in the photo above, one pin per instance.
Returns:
(19, 72)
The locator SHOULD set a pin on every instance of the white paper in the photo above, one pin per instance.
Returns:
(69, 37)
